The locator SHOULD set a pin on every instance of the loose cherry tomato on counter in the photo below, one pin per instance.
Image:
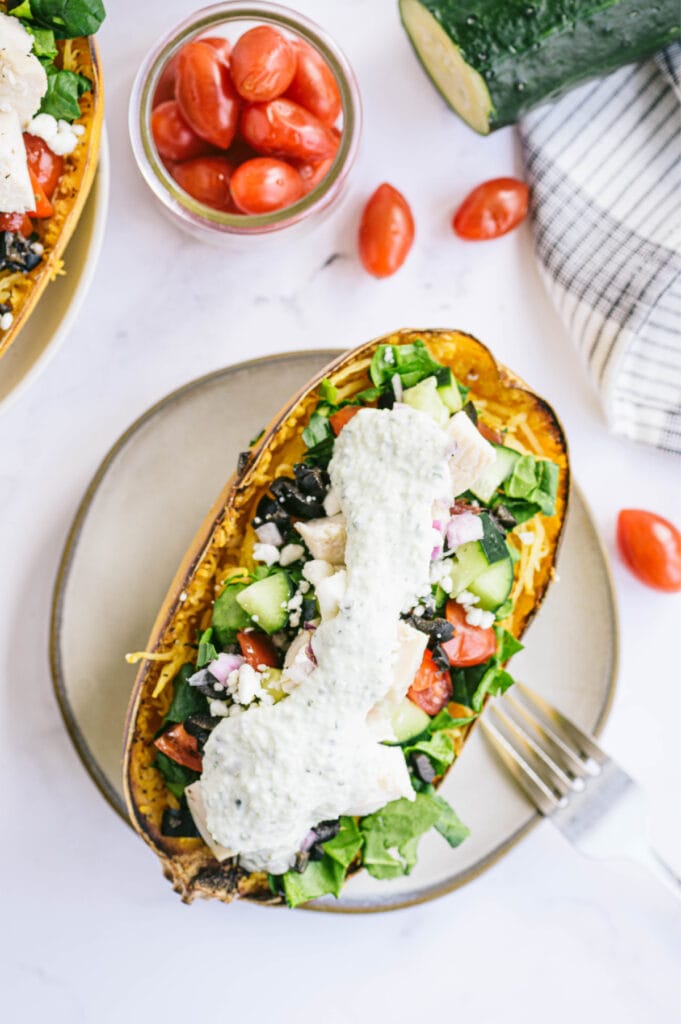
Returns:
(651, 548)
(492, 209)
(46, 165)
(386, 232)
(205, 93)
(263, 63)
(285, 129)
(314, 85)
(339, 419)
(179, 746)
(312, 174)
(263, 185)
(258, 650)
(207, 179)
(470, 645)
(43, 206)
(432, 686)
(20, 222)
(174, 138)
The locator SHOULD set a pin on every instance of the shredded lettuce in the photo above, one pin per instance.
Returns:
(438, 748)
(411, 363)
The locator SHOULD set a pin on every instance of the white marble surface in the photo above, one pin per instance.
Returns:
(90, 930)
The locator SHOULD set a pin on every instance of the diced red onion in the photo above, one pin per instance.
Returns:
(224, 665)
(269, 533)
(462, 528)
(309, 841)
(398, 390)
(309, 653)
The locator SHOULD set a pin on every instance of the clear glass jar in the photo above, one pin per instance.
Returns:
(231, 20)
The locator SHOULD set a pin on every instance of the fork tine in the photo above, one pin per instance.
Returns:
(587, 747)
(558, 750)
(529, 750)
(540, 794)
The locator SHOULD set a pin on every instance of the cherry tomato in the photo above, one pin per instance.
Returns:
(179, 746)
(492, 209)
(207, 178)
(263, 64)
(386, 232)
(45, 164)
(470, 645)
(651, 547)
(432, 686)
(43, 207)
(258, 649)
(174, 138)
(343, 416)
(283, 128)
(20, 222)
(222, 47)
(206, 95)
(263, 185)
(314, 85)
(312, 174)
(165, 90)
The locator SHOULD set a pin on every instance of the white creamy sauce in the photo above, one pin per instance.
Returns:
(271, 774)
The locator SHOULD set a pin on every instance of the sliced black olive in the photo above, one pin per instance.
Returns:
(440, 658)
(209, 686)
(270, 511)
(503, 518)
(178, 822)
(16, 252)
(242, 461)
(5, 308)
(386, 400)
(439, 630)
(316, 851)
(422, 767)
(471, 412)
(312, 480)
(301, 861)
(326, 830)
(293, 501)
(308, 609)
(201, 726)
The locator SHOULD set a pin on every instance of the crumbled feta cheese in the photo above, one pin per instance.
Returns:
(466, 598)
(218, 708)
(58, 134)
(269, 533)
(245, 684)
(479, 617)
(389, 356)
(317, 570)
(303, 586)
(525, 536)
(266, 553)
(6, 321)
(296, 602)
(291, 553)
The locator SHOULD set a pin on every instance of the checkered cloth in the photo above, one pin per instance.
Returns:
(604, 165)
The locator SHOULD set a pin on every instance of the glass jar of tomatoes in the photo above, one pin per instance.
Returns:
(245, 134)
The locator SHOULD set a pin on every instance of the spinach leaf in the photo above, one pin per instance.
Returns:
(186, 699)
(207, 651)
(176, 776)
(507, 645)
(64, 88)
(66, 18)
(44, 45)
(327, 875)
(412, 363)
(495, 681)
(439, 748)
(397, 827)
(319, 428)
(320, 454)
(449, 824)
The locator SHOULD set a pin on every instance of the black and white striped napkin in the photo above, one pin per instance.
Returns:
(604, 165)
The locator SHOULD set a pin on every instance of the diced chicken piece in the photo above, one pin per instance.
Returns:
(16, 194)
(330, 592)
(297, 649)
(23, 81)
(411, 645)
(198, 813)
(387, 778)
(317, 570)
(325, 538)
(471, 455)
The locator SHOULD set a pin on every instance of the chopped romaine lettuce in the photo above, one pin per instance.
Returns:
(325, 876)
(439, 748)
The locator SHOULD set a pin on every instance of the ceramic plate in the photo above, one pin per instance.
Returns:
(51, 321)
(136, 520)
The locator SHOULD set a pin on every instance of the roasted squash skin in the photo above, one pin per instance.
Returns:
(225, 540)
(70, 197)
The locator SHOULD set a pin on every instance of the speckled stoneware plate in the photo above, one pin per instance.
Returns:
(48, 327)
(126, 543)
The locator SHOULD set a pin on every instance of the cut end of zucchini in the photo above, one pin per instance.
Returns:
(460, 84)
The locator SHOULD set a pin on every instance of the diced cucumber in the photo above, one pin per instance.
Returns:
(468, 562)
(228, 615)
(492, 477)
(494, 585)
(266, 601)
(449, 392)
(424, 397)
(492, 543)
(408, 720)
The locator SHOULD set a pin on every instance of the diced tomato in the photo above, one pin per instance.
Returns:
(470, 645)
(20, 222)
(492, 209)
(386, 232)
(264, 184)
(174, 138)
(258, 649)
(204, 90)
(179, 746)
(207, 179)
(285, 129)
(43, 206)
(651, 548)
(263, 63)
(343, 416)
(432, 686)
(46, 165)
(490, 434)
(314, 85)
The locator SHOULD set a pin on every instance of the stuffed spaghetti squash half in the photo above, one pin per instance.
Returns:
(346, 609)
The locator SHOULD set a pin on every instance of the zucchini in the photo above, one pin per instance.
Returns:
(494, 60)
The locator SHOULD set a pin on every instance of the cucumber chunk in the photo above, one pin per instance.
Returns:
(493, 586)
(448, 390)
(424, 397)
(266, 601)
(468, 562)
(493, 544)
(408, 720)
(228, 615)
(491, 478)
